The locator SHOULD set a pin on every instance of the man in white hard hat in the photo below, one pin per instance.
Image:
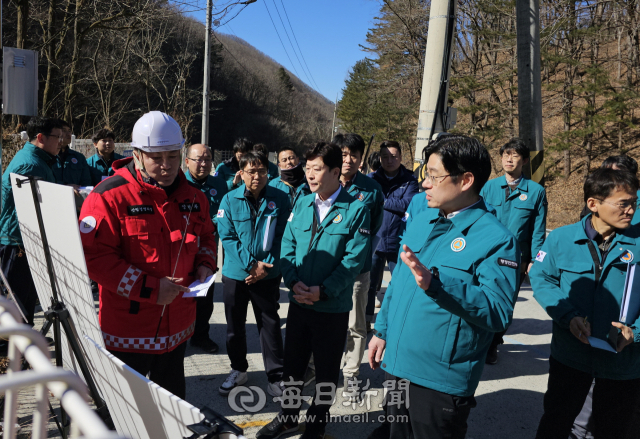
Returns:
(147, 234)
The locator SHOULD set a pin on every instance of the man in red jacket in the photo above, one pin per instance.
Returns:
(147, 234)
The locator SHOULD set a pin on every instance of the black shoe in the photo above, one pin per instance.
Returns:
(312, 433)
(276, 428)
(383, 431)
(492, 355)
(206, 344)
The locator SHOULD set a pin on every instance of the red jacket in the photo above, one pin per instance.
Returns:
(131, 233)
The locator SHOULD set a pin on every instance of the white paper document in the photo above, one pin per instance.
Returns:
(269, 233)
(199, 289)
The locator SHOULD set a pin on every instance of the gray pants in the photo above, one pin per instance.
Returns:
(582, 428)
(357, 334)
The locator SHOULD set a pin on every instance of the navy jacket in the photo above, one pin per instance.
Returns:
(398, 193)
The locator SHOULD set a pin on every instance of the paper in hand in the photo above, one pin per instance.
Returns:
(601, 344)
(199, 289)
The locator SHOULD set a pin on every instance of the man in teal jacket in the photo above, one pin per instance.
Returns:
(100, 164)
(579, 278)
(323, 251)
(251, 221)
(369, 192)
(34, 159)
(229, 170)
(454, 286)
(199, 162)
(273, 169)
(71, 167)
(521, 205)
(292, 180)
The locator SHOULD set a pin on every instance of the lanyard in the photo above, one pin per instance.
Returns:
(596, 259)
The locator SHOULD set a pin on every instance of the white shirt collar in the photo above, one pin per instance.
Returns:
(323, 207)
(452, 214)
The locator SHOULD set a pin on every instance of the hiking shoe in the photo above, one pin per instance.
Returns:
(235, 379)
(276, 389)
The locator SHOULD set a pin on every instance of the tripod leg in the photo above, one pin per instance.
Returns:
(58, 351)
(45, 328)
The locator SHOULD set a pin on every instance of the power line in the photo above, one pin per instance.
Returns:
(278, 33)
(290, 42)
(232, 56)
(296, 40)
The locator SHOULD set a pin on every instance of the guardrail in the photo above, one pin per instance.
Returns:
(25, 342)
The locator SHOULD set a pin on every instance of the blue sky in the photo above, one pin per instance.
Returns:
(328, 32)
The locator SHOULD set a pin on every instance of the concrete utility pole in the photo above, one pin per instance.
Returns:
(207, 71)
(529, 83)
(435, 80)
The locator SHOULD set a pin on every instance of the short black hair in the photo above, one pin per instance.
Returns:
(603, 181)
(64, 123)
(622, 162)
(351, 141)
(262, 148)
(286, 148)
(254, 158)
(374, 161)
(516, 144)
(103, 133)
(242, 145)
(330, 153)
(390, 144)
(41, 125)
(460, 154)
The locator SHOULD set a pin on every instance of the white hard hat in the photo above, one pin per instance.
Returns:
(157, 132)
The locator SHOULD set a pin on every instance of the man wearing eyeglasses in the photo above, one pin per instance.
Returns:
(521, 205)
(34, 159)
(454, 286)
(251, 222)
(579, 279)
(198, 159)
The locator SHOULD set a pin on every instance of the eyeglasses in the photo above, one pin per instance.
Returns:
(624, 205)
(60, 138)
(433, 179)
(201, 161)
(261, 172)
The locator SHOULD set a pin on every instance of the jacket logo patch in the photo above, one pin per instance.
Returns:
(405, 217)
(74, 161)
(365, 231)
(337, 219)
(361, 196)
(87, 224)
(290, 217)
(507, 263)
(215, 174)
(220, 214)
(140, 210)
(523, 197)
(189, 207)
(540, 256)
(213, 192)
(271, 205)
(458, 244)
(627, 257)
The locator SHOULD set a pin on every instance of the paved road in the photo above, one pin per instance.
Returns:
(509, 396)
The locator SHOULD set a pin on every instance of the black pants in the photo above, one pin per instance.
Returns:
(497, 337)
(264, 296)
(16, 269)
(166, 370)
(322, 334)
(420, 413)
(613, 403)
(204, 310)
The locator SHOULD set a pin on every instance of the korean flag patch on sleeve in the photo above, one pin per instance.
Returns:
(220, 214)
(290, 217)
(540, 256)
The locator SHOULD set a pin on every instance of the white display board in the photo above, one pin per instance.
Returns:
(139, 407)
(61, 227)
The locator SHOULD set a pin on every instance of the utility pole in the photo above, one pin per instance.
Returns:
(529, 83)
(333, 125)
(207, 71)
(437, 68)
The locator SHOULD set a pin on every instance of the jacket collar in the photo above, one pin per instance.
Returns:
(465, 219)
(624, 236)
(523, 185)
(40, 153)
(402, 174)
(269, 192)
(126, 169)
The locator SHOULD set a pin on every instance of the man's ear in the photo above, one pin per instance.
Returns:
(467, 181)
(592, 205)
(525, 162)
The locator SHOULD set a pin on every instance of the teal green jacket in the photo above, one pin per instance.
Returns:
(563, 281)
(214, 188)
(636, 216)
(29, 161)
(72, 168)
(294, 194)
(439, 338)
(274, 171)
(243, 234)
(99, 168)
(225, 172)
(369, 192)
(336, 255)
(523, 212)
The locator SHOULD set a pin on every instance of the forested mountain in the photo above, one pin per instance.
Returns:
(590, 75)
(105, 63)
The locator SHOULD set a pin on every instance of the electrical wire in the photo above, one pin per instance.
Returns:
(232, 56)
(281, 42)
